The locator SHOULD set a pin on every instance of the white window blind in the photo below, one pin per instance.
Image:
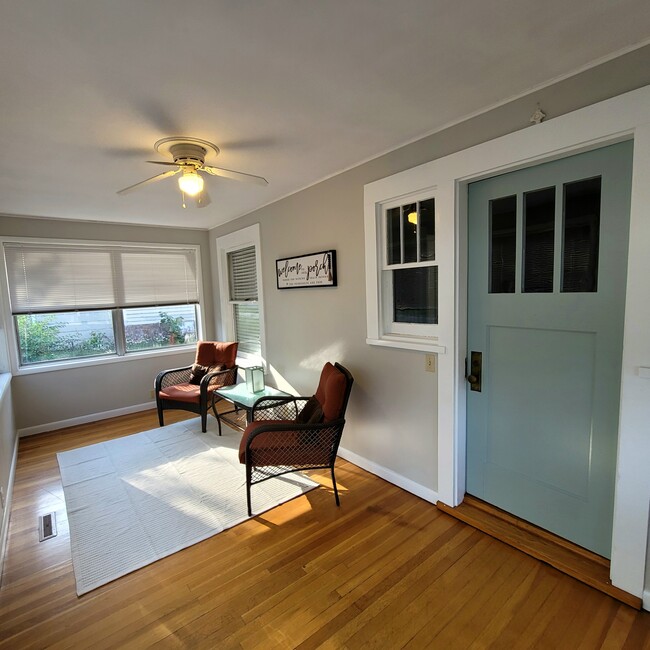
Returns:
(242, 265)
(55, 278)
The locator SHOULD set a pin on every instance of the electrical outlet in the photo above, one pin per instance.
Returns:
(430, 362)
(152, 394)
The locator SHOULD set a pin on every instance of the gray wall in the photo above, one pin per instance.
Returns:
(48, 397)
(392, 417)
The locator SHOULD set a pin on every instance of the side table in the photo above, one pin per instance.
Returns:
(244, 403)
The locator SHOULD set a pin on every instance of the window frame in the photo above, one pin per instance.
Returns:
(80, 362)
(390, 326)
(381, 328)
(244, 238)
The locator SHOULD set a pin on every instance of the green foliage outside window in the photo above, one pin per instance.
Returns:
(43, 338)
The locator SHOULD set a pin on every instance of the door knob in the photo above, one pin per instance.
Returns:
(475, 371)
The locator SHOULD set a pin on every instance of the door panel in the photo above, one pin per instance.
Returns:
(546, 288)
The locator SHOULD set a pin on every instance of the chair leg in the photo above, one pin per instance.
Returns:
(160, 415)
(248, 489)
(204, 420)
(336, 492)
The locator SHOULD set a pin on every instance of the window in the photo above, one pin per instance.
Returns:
(74, 301)
(242, 272)
(406, 256)
(576, 259)
(409, 270)
(240, 287)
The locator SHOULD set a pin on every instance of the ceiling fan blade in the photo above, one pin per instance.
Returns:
(200, 200)
(161, 162)
(237, 176)
(153, 179)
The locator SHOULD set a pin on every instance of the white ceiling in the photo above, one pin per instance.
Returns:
(292, 90)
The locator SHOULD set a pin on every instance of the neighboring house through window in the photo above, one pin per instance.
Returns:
(240, 284)
(74, 301)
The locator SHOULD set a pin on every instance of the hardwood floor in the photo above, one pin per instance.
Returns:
(385, 570)
(569, 558)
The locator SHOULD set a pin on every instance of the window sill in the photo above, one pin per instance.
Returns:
(98, 361)
(408, 343)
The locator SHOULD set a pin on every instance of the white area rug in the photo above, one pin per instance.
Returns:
(134, 500)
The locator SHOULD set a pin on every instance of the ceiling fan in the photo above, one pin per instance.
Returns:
(188, 156)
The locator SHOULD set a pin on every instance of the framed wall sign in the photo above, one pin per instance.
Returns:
(311, 270)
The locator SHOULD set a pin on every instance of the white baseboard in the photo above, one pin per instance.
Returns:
(646, 600)
(6, 513)
(84, 419)
(389, 475)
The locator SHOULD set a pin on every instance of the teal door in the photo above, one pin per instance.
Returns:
(546, 298)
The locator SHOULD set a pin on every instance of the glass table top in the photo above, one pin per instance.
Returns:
(243, 397)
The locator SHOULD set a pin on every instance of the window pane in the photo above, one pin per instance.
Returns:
(426, 217)
(503, 244)
(394, 254)
(146, 328)
(415, 295)
(410, 232)
(68, 335)
(539, 225)
(581, 231)
(247, 328)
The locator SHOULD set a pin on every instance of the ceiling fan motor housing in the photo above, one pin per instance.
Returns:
(188, 154)
(186, 151)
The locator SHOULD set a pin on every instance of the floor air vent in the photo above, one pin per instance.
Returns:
(47, 526)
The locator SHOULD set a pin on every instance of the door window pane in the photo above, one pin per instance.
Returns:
(503, 244)
(66, 335)
(146, 328)
(393, 239)
(539, 227)
(410, 232)
(415, 295)
(427, 223)
(581, 235)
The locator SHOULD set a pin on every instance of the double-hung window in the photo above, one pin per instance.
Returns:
(410, 270)
(240, 290)
(243, 299)
(71, 301)
(402, 267)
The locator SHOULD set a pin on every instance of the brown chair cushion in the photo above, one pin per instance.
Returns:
(311, 413)
(331, 392)
(212, 353)
(181, 393)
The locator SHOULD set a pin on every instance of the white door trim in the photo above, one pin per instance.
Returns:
(623, 117)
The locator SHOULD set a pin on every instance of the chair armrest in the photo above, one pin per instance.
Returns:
(276, 408)
(289, 426)
(171, 377)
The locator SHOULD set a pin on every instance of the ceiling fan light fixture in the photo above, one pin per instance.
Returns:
(190, 182)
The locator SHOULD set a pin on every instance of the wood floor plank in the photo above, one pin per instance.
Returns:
(385, 570)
